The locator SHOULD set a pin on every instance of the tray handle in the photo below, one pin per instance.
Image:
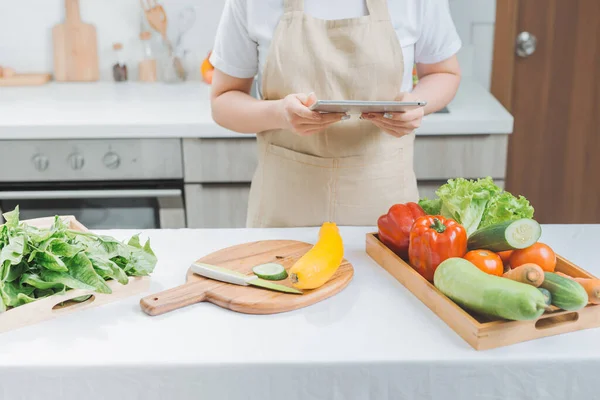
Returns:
(70, 305)
(554, 321)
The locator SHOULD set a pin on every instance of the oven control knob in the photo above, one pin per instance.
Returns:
(112, 160)
(40, 162)
(76, 161)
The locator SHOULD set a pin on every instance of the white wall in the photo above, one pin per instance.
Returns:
(25, 31)
(474, 20)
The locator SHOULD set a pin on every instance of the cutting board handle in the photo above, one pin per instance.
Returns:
(178, 297)
(72, 11)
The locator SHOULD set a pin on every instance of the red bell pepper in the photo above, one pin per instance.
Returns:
(434, 239)
(394, 227)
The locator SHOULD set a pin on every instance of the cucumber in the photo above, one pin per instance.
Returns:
(491, 295)
(547, 296)
(566, 293)
(509, 235)
(270, 271)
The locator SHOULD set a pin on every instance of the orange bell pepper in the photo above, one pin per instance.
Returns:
(394, 227)
(434, 239)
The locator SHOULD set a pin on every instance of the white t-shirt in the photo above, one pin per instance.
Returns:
(424, 28)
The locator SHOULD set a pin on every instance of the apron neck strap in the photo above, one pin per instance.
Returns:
(293, 5)
(378, 9)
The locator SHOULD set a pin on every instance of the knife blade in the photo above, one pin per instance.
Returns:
(237, 278)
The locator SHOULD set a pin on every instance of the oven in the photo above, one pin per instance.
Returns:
(105, 184)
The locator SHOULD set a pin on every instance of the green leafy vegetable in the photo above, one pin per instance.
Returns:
(431, 207)
(476, 203)
(465, 200)
(506, 207)
(36, 263)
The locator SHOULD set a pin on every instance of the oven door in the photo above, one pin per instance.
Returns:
(118, 208)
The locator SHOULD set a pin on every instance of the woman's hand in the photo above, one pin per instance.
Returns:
(401, 123)
(298, 118)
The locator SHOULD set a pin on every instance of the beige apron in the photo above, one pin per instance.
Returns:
(352, 172)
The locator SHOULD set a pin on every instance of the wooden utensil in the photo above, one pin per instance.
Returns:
(59, 304)
(25, 79)
(75, 48)
(248, 299)
(157, 18)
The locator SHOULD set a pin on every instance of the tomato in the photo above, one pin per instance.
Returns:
(540, 254)
(505, 255)
(487, 261)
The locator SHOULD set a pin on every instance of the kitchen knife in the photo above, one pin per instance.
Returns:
(229, 276)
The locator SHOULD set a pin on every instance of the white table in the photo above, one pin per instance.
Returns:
(374, 340)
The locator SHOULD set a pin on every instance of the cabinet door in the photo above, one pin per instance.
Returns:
(216, 205)
(465, 156)
(219, 160)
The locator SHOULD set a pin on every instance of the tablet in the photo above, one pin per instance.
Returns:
(358, 107)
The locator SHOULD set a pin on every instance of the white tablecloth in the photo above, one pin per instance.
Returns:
(374, 340)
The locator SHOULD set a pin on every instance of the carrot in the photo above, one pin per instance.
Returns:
(591, 286)
(531, 274)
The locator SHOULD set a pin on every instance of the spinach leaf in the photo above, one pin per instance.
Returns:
(15, 294)
(50, 261)
(11, 254)
(15, 271)
(37, 282)
(65, 279)
(39, 293)
(61, 247)
(108, 269)
(12, 218)
(80, 267)
(142, 259)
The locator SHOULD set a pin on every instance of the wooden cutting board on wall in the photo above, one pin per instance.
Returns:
(75, 48)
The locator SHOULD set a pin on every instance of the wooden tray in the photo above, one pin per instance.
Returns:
(56, 305)
(25, 80)
(481, 332)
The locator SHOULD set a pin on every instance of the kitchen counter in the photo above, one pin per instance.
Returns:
(137, 110)
(374, 340)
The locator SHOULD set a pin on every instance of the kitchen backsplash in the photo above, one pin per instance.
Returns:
(26, 43)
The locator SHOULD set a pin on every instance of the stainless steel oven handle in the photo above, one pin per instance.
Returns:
(90, 194)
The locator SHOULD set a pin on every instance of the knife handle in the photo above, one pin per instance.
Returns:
(211, 272)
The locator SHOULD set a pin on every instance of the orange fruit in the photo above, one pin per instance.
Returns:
(206, 69)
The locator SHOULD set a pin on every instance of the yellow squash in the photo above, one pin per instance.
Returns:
(319, 264)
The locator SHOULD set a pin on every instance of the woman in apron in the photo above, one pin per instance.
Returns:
(326, 167)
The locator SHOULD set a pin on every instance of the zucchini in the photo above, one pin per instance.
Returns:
(491, 295)
(547, 296)
(509, 235)
(270, 271)
(566, 293)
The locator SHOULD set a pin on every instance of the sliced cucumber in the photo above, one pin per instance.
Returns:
(270, 271)
(509, 235)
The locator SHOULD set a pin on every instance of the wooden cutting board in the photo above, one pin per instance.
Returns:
(248, 299)
(75, 48)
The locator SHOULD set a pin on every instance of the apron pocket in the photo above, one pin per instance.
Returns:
(366, 191)
(296, 189)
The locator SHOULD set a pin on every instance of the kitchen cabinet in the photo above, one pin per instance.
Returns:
(218, 171)
(216, 205)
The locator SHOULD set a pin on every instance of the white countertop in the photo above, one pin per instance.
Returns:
(137, 110)
(374, 340)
